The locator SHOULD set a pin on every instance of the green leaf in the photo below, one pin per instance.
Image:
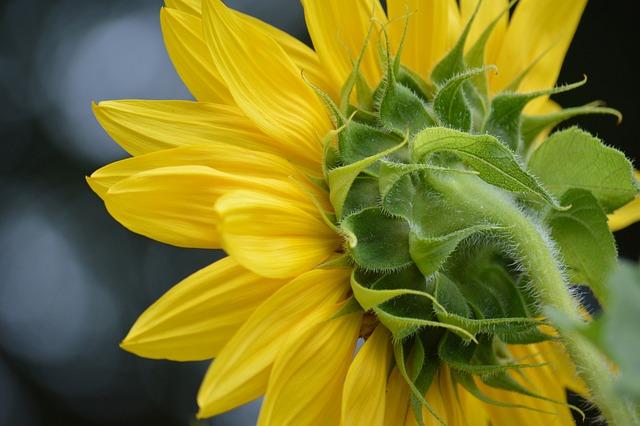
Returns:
(341, 179)
(505, 113)
(377, 242)
(575, 159)
(494, 162)
(585, 241)
(615, 331)
(430, 253)
(533, 125)
(449, 103)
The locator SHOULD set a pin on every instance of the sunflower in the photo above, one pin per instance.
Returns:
(359, 287)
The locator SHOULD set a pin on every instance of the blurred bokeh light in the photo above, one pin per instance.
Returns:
(72, 280)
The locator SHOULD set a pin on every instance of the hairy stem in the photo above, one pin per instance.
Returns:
(535, 252)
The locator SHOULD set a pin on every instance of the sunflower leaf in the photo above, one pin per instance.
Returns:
(585, 241)
(615, 331)
(573, 158)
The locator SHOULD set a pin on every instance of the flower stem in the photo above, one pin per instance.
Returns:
(533, 249)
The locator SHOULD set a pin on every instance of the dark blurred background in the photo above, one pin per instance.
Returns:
(72, 280)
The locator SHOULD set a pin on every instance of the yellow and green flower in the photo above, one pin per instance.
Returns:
(393, 186)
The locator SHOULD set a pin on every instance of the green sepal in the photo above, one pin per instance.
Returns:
(495, 163)
(430, 253)
(573, 158)
(355, 79)
(351, 306)
(424, 370)
(401, 363)
(490, 290)
(341, 179)
(402, 110)
(450, 104)
(525, 337)
(358, 141)
(533, 125)
(408, 306)
(584, 239)
(453, 62)
(467, 381)
(337, 261)
(459, 313)
(474, 57)
(415, 83)
(363, 194)
(398, 200)
(463, 357)
(504, 381)
(377, 242)
(390, 172)
(377, 294)
(505, 113)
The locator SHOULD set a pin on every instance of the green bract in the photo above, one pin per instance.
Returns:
(440, 191)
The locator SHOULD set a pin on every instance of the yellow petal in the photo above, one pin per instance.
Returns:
(173, 205)
(428, 35)
(192, 6)
(270, 236)
(306, 382)
(235, 168)
(306, 59)
(141, 127)
(363, 400)
(489, 10)
(265, 83)
(537, 26)
(302, 55)
(625, 216)
(183, 38)
(338, 30)
(241, 371)
(197, 317)
(397, 399)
